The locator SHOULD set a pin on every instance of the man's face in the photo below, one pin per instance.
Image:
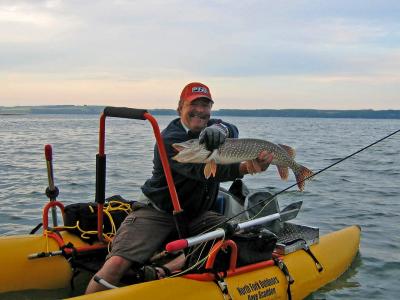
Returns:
(196, 114)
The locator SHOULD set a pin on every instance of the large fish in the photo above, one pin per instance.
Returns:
(238, 150)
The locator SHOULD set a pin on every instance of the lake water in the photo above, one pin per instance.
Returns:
(363, 190)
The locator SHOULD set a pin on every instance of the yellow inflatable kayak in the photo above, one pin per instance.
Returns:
(335, 252)
(299, 265)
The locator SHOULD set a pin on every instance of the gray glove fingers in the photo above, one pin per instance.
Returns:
(222, 138)
(213, 136)
(201, 137)
(216, 138)
(212, 140)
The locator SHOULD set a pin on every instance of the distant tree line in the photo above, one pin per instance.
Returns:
(288, 113)
(313, 113)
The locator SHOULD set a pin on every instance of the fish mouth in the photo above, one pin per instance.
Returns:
(190, 151)
(180, 156)
(178, 147)
(180, 152)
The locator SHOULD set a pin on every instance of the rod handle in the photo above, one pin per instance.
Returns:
(48, 152)
(177, 245)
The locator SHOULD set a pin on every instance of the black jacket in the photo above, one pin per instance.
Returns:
(196, 193)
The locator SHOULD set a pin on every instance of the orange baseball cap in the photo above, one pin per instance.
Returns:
(195, 90)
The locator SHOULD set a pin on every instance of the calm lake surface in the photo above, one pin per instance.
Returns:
(363, 190)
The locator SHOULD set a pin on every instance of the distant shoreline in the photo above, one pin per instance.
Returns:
(11, 114)
(286, 113)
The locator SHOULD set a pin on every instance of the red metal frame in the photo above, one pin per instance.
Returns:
(100, 208)
(231, 272)
(164, 161)
(223, 245)
(46, 212)
(56, 236)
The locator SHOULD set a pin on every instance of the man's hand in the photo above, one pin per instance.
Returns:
(260, 164)
(213, 136)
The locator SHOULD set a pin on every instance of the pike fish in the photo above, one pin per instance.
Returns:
(238, 150)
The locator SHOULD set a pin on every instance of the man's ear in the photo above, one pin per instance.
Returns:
(179, 109)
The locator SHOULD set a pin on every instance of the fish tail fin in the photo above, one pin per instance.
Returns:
(283, 172)
(302, 174)
(210, 169)
(289, 150)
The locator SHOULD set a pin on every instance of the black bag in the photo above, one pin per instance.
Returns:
(82, 217)
(253, 247)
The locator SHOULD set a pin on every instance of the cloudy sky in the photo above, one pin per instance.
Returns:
(335, 54)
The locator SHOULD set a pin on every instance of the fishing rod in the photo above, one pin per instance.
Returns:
(306, 178)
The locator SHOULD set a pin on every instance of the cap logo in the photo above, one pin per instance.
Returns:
(199, 89)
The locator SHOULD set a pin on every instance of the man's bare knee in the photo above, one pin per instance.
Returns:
(116, 265)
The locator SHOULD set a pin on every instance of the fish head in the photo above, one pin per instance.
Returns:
(191, 151)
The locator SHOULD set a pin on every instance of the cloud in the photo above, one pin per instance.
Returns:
(149, 41)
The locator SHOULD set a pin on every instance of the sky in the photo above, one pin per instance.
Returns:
(335, 54)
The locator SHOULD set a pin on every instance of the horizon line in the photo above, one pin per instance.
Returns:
(247, 109)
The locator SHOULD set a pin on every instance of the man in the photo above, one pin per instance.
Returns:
(146, 229)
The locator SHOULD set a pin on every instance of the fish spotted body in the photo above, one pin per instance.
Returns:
(238, 150)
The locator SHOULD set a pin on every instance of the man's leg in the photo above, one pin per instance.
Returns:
(175, 264)
(139, 236)
(112, 271)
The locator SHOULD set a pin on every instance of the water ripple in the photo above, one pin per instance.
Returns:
(361, 190)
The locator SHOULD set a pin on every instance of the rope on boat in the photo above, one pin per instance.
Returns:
(86, 234)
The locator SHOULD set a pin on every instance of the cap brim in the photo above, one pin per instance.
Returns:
(194, 97)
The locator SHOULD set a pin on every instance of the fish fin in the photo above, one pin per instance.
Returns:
(210, 169)
(207, 170)
(213, 166)
(302, 174)
(283, 172)
(289, 150)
